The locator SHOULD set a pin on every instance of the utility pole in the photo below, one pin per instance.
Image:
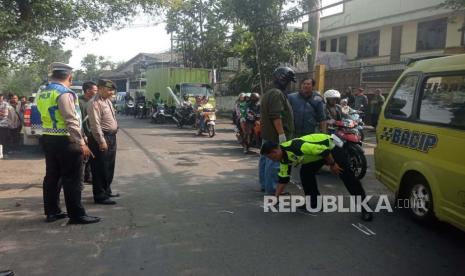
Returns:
(314, 30)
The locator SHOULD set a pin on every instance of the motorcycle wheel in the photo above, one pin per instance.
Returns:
(211, 130)
(357, 160)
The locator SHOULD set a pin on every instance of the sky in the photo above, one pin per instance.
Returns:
(144, 36)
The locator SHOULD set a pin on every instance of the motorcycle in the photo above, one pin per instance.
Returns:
(161, 115)
(253, 138)
(140, 111)
(347, 131)
(129, 108)
(184, 115)
(208, 113)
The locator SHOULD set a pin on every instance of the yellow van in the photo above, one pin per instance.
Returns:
(420, 154)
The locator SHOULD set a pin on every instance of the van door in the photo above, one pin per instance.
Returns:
(390, 157)
(442, 108)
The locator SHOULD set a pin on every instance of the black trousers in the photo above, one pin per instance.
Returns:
(103, 167)
(5, 138)
(63, 161)
(308, 176)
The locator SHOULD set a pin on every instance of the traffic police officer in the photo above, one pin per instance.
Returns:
(312, 152)
(64, 147)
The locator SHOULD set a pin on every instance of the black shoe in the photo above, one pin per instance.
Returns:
(83, 220)
(114, 195)
(55, 217)
(105, 202)
(367, 216)
(7, 273)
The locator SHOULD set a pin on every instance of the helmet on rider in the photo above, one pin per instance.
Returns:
(255, 97)
(332, 96)
(185, 97)
(283, 75)
(241, 97)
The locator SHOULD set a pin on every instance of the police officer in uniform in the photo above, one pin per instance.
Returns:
(312, 152)
(64, 147)
(102, 142)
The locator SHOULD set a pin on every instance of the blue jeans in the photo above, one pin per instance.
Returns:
(268, 174)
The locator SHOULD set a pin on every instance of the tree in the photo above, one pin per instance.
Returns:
(93, 67)
(28, 24)
(26, 78)
(456, 5)
(200, 28)
(261, 38)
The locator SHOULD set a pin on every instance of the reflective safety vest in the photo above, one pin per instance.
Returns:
(47, 104)
(303, 150)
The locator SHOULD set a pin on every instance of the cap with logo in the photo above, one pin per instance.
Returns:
(107, 84)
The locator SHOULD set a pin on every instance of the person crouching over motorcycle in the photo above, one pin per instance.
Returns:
(252, 115)
(312, 152)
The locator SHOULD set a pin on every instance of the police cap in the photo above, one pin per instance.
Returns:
(106, 83)
(59, 66)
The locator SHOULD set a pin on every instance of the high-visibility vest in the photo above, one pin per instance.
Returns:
(47, 104)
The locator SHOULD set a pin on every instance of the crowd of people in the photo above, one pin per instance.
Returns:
(12, 109)
(294, 129)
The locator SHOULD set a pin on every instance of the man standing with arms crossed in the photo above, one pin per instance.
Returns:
(64, 147)
(102, 142)
(277, 123)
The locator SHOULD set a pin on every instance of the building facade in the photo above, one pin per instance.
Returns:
(386, 32)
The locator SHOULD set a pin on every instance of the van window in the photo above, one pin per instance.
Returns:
(444, 101)
(401, 103)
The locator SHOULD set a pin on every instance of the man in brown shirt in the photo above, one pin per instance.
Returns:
(102, 142)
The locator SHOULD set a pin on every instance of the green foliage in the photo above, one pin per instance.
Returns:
(456, 5)
(24, 79)
(241, 82)
(25, 25)
(261, 38)
(199, 28)
(93, 67)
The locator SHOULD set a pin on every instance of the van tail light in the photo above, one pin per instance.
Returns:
(27, 117)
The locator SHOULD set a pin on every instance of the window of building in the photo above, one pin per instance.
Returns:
(443, 101)
(432, 34)
(343, 44)
(334, 45)
(368, 44)
(401, 103)
(323, 45)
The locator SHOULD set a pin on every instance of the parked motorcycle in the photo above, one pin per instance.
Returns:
(161, 115)
(184, 115)
(347, 131)
(208, 113)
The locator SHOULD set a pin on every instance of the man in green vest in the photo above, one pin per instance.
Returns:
(312, 152)
(64, 147)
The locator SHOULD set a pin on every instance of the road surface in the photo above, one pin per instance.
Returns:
(191, 206)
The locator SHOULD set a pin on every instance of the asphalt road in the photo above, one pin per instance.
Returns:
(190, 206)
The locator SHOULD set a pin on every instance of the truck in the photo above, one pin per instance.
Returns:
(174, 83)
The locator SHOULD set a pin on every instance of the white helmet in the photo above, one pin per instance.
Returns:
(332, 94)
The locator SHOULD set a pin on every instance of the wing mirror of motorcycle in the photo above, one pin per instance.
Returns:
(337, 141)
